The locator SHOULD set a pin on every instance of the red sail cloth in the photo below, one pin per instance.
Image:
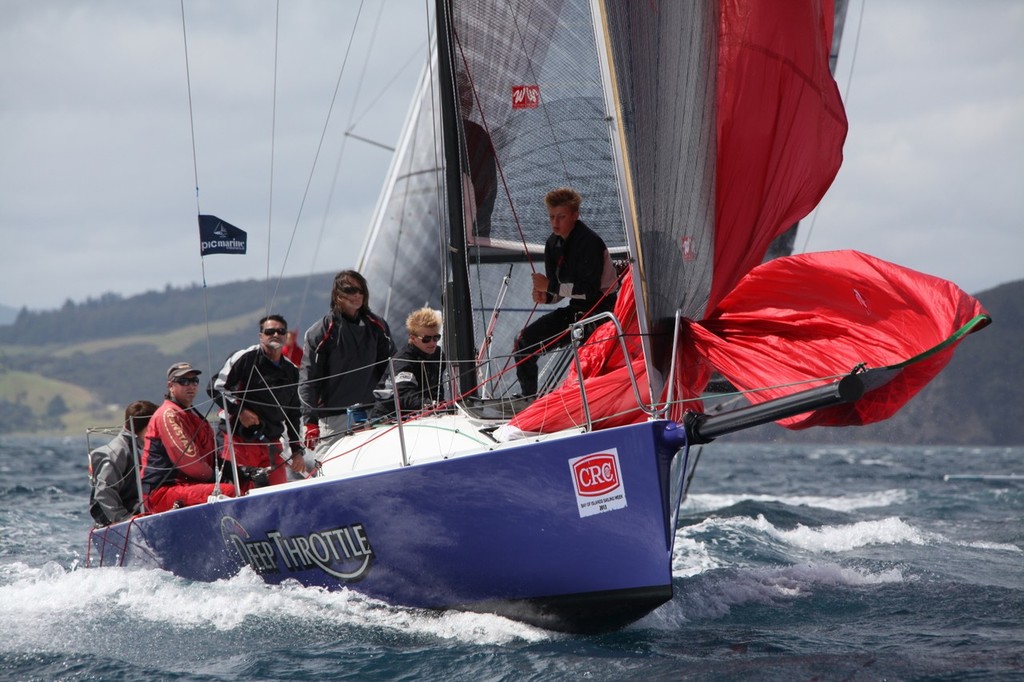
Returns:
(781, 127)
(610, 395)
(791, 324)
(795, 319)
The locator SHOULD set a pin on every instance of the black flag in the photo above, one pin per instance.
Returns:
(217, 236)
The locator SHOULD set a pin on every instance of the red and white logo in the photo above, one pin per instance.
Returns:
(525, 96)
(597, 482)
(688, 248)
(596, 474)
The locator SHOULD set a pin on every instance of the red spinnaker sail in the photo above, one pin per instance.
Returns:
(796, 322)
(781, 127)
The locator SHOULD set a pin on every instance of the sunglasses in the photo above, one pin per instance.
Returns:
(350, 290)
(274, 331)
(428, 338)
(187, 382)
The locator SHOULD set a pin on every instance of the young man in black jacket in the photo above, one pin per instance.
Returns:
(577, 267)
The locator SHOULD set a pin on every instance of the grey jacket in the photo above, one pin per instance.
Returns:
(115, 493)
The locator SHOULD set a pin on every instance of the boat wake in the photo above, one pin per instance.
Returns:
(133, 603)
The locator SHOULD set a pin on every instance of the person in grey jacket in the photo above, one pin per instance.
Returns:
(115, 492)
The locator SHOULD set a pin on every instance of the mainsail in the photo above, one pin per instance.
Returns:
(528, 77)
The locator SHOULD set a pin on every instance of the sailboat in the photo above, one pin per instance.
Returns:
(697, 133)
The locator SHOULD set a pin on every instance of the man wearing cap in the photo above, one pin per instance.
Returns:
(178, 462)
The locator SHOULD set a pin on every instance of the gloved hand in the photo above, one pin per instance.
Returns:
(260, 476)
(312, 436)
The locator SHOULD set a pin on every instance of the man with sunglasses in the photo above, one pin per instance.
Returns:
(257, 391)
(178, 464)
(417, 369)
(344, 356)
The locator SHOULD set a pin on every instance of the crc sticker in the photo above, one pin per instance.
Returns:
(597, 481)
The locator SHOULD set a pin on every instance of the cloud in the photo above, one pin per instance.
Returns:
(933, 159)
(98, 179)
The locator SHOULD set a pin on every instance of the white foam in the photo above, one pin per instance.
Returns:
(51, 595)
(690, 557)
(840, 538)
(714, 595)
(847, 503)
(996, 546)
(888, 531)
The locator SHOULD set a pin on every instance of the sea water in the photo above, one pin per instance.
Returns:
(792, 562)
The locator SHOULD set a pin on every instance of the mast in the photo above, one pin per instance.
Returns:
(459, 327)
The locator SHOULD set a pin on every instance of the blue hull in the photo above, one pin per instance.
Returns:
(519, 532)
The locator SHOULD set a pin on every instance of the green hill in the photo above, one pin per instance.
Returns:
(99, 355)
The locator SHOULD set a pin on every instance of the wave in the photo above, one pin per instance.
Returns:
(838, 538)
(844, 503)
(713, 595)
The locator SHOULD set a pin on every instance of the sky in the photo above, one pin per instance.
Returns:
(106, 135)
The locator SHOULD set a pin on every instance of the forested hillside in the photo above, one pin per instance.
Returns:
(112, 316)
(66, 369)
(118, 349)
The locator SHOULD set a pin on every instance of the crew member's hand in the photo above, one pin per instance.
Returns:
(540, 288)
(298, 463)
(312, 436)
(248, 418)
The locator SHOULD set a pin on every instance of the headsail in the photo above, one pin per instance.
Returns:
(801, 321)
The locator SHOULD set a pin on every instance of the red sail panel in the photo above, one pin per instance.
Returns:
(781, 127)
(797, 322)
(607, 380)
(610, 396)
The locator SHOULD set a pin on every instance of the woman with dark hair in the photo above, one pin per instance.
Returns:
(345, 354)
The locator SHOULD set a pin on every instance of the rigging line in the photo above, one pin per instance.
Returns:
(497, 161)
(412, 125)
(271, 295)
(387, 86)
(344, 139)
(533, 75)
(337, 171)
(439, 203)
(483, 118)
(853, 59)
(195, 176)
(846, 101)
(319, 148)
(414, 140)
(191, 117)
